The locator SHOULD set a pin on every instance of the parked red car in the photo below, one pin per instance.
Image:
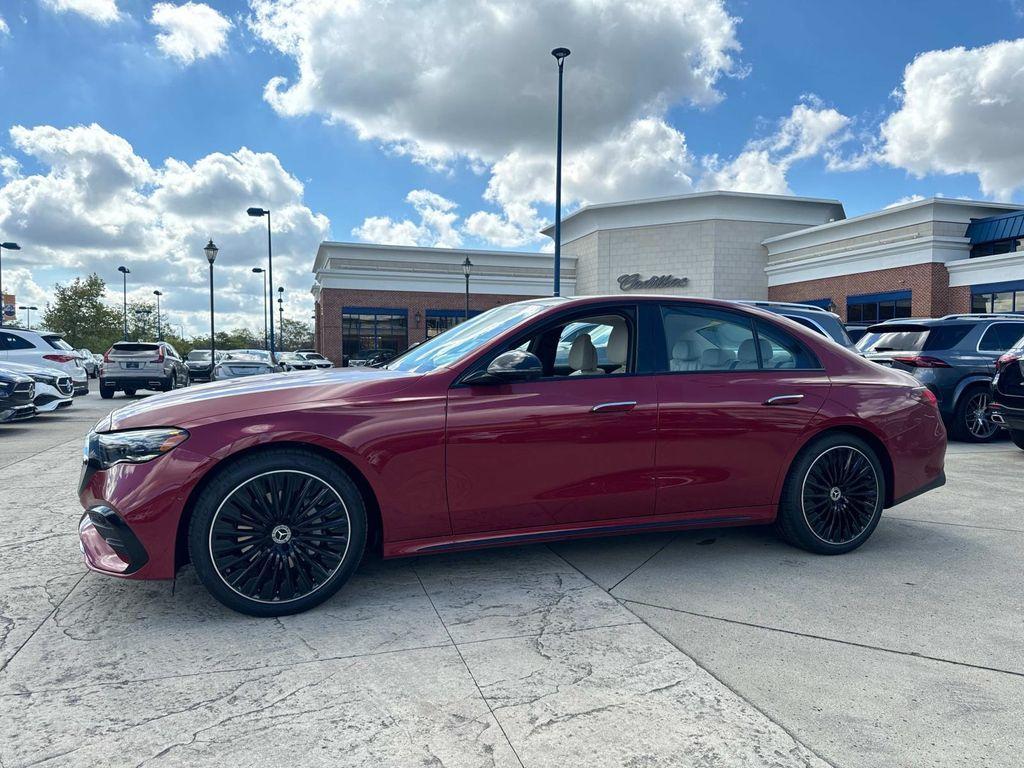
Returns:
(535, 421)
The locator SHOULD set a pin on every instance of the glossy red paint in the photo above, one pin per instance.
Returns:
(452, 466)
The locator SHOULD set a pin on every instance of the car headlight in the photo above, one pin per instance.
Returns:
(6, 389)
(136, 446)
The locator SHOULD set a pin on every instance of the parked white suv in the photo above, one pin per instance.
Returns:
(46, 349)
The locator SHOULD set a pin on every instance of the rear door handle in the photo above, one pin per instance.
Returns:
(784, 400)
(625, 405)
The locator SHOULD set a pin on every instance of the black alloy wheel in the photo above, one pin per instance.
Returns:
(278, 533)
(972, 420)
(833, 496)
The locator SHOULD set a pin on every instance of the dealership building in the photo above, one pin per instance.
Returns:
(925, 258)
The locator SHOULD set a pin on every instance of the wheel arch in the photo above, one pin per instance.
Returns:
(374, 520)
(874, 442)
(973, 380)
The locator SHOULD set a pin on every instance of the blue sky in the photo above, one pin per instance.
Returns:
(340, 148)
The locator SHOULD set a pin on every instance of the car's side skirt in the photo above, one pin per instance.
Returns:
(759, 515)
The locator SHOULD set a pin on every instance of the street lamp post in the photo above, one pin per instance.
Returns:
(257, 212)
(28, 316)
(467, 267)
(124, 298)
(559, 54)
(9, 247)
(211, 254)
(280, 310)
(261, 271)
(159, 331)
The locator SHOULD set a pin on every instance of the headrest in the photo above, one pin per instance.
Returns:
(715, 358)
(582, 355)
(618, 344)
(747, 353)
(684, 350)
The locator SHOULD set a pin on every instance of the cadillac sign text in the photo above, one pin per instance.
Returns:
(635, 282)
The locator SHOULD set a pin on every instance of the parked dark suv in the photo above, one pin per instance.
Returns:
(1007, 406)
(955, 357)
(819, 320)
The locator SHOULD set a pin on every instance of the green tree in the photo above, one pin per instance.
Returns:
(296, 334)
(79, 313)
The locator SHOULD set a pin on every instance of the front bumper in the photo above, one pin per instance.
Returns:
(16, 413)
(49, 399)
(108, 544)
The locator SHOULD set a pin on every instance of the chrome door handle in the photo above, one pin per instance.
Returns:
(784, 400)
(625, 405)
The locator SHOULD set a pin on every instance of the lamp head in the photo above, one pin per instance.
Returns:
(256, 212)
(560, 54)
(211, 251)
(258, 270)
(10, 246)
(467, 267)
(158, 293)
(124, 270)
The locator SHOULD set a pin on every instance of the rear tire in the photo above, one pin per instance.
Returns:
(1017, 436)
(278, 533)
(971, 423)
(106, 392)
(129, 393)
(833, 496)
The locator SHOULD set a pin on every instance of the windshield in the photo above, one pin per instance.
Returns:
(58, 343)
(313, 356)
(199, 354)
(898, 340)
(458, 342)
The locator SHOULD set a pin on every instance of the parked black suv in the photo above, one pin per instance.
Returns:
(955, 357)
(1007, 406)
(819, 320)
(16, 395)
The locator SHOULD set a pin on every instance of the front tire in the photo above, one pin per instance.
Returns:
(971, 422)
(278, 533)
(833, 496)
(1017, 436)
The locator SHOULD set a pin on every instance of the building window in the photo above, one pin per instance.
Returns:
(440, 320)
(998, 297)
(366, 329)
(996, 247)
(876, 307)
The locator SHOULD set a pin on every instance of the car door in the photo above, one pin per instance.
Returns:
(561, 450)
(734, 396)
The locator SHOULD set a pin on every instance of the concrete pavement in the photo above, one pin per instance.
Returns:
(706, 648)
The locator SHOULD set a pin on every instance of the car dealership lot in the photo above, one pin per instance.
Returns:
(721, 647)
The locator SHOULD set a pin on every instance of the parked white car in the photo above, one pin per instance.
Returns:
(46, 349)
(54, 389)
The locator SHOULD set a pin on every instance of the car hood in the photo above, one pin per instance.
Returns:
(28, 370)
(201, 403)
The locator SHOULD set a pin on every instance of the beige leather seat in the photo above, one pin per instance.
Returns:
(618, 347)
(716, 359)
(685, 356)
(583, 357)
(746, 355)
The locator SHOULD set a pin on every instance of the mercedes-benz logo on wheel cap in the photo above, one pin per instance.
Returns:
(281, 534)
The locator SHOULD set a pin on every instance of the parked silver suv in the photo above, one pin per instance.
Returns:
(133, 365)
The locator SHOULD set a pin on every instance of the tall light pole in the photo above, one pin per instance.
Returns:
(467, 267)
(559, 54)
(124, 297)
(28, 316)
(261, 271)
(159, 332)
(257, 212)
(280, 309)
(9, 247)
(211, 254)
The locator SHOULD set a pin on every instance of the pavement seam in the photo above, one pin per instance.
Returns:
(810, 636)
(39, 626)
(720, 681)
(5, 467)
(468, 670)
(958, 525)
(645, 562)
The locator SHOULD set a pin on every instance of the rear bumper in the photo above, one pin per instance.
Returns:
(134, 382)
(938, 482)
(1004, 416)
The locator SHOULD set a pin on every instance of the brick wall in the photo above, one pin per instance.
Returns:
(331, 301)
(930, 294)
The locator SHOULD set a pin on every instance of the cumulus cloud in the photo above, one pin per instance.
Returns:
(98, 204)
(4, 29)
(961, 111)
(904, 200)
(191, 31)
(436, 225)
(102, 11)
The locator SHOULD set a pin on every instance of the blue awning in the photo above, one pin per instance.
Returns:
(992, 228)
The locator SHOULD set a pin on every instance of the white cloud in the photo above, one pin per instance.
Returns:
(102, 11)
(99, 204)
(191, 31)
(753, 170)
(961, 111)
(4, 29)
(904, 200)
(435, 227)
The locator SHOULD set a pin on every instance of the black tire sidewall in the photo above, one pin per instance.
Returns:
(238, 472)
(1017, 437)
(791, 522)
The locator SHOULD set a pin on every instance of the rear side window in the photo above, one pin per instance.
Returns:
(1000, 337)
(8, 341)
(780, 350)
(58, 343)
(946, 336)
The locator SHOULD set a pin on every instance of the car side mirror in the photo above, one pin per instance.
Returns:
(508, 367)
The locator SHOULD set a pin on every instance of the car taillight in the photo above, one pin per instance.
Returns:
(1009, 357)
(60, 358)
(160, 356)
(106, 355)
(922, 361)
(925, 395)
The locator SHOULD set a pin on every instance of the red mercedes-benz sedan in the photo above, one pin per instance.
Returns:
(535, 421)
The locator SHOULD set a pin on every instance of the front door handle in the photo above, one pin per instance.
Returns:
(784, 400)
(625, 405)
